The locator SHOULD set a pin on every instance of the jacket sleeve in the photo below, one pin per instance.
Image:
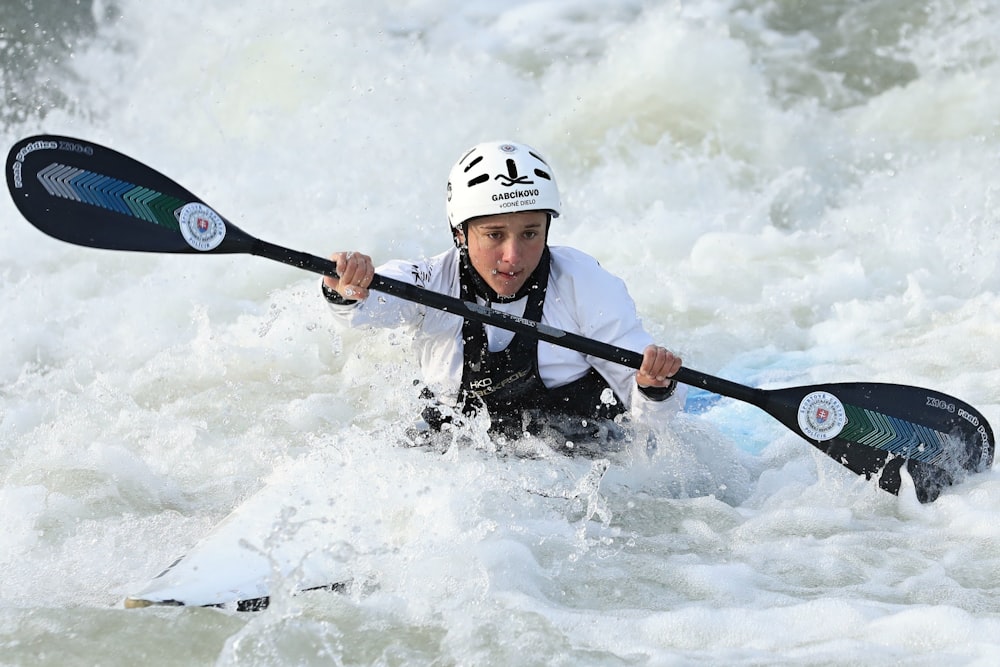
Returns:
(605, 311)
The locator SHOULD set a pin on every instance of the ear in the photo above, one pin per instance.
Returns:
(458, 236)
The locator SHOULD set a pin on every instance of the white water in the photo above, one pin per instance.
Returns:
(795, 195)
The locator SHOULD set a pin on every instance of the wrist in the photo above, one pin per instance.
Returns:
(334, 297)
(659, 393)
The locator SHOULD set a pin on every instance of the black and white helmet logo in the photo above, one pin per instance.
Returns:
(511, 178)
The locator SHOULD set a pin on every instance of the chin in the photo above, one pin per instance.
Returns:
(506, 290)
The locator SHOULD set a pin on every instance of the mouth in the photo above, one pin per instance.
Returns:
(507, 277)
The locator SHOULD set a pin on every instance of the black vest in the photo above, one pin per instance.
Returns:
(506, 383)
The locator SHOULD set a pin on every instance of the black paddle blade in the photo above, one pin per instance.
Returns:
(89, 195)
(874, 429)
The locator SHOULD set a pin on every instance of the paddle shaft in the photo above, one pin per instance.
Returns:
(475, 312)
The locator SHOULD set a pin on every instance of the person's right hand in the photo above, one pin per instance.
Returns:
(356, 273)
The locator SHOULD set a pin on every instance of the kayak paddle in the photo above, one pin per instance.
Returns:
(89, 195)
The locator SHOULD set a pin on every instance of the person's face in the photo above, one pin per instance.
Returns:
(505, 249)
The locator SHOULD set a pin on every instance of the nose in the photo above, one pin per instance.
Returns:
(511, 251)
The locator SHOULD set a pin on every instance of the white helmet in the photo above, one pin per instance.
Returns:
(500, 177)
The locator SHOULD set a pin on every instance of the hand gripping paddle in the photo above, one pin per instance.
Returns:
(85, 194)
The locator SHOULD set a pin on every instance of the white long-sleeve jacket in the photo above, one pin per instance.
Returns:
(581, 298)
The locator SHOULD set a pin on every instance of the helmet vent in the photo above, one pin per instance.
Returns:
(474, 163)
(542, 174)
(482, 178)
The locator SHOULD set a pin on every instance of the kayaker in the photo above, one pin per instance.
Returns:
(502, 197)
